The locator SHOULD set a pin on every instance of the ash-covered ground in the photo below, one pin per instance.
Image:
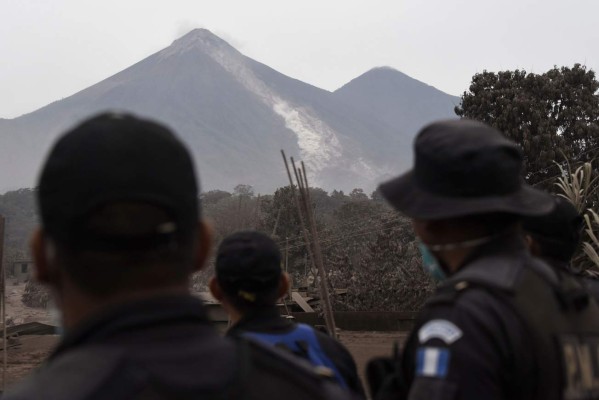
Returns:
(27, 352)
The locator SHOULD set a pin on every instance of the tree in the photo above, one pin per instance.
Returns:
(338, 195)
(358, 194)
(280, 214)
(243, 191)
(367, 248)
(388, 276)
(321, 202)
(580, 188)
(214, 196)
(551, 115)
(377, 196)
(18, 207)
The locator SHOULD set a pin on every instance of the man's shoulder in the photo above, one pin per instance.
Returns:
(493, 279)
(592, 286)
(73, 375)
(284, 373)
(472, 306)
(262, 357)
(276, 325)
(110, 372)
(500, 270)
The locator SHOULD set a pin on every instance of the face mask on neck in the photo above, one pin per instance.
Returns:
(430, 263)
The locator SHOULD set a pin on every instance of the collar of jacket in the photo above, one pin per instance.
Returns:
(499, 263)
(560, 266)
(263, 319)
(142, 314)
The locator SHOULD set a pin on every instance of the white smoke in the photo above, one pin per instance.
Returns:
(318, 143)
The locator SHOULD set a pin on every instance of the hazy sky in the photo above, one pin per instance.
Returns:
(50, 49)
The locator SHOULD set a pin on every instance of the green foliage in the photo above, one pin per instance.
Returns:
(36, 295)
(377, 196)
(213, 196)
(338, 195)
(232, 213)
(280, 214)
(243, 190)
(580, 188)
(368, 248)
(19, 210)
(550, 115)
(387, 275)
(358, 195)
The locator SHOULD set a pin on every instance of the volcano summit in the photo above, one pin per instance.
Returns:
(235, 114)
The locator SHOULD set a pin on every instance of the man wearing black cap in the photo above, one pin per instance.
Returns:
(121, 233)
(249, 282)
(555, 237)
(502, 324)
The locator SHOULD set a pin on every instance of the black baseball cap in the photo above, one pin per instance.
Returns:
(112, 158)
(558, 232)
(248, 265)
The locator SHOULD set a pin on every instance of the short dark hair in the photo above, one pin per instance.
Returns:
(248, 269)
(556, 249)
(104, 272)
(265, 298)
(558, 233)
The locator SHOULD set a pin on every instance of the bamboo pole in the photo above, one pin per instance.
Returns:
(299, 210)
(287, 265)
(324, 287)
(312, 246)
(324, 281)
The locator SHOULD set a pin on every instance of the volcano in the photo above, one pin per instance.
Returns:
(235, 114)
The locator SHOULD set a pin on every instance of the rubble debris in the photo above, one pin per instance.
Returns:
(35, 295)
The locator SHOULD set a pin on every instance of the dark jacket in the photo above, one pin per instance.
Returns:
(166, 348)
(591, 284)
(268, 320)
(505, 326)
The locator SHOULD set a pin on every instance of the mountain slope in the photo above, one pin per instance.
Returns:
(235, 114)
(396, 99)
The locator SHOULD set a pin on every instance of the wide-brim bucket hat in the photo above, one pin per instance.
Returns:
(461, 168)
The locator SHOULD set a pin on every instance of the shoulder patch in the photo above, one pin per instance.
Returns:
(439, 329)
(432, 362)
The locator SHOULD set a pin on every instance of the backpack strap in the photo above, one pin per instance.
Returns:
(302, 342)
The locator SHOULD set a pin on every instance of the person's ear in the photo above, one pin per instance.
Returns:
(44, 257)
(203, 245)
(284, 285)
(215, 289)
(528, 240)
(533, 246)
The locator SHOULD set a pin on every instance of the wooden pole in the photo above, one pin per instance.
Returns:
(287, 265)
(287, 254)
(316, 260)
(299, 211)
(324, 286)
(3, 278)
